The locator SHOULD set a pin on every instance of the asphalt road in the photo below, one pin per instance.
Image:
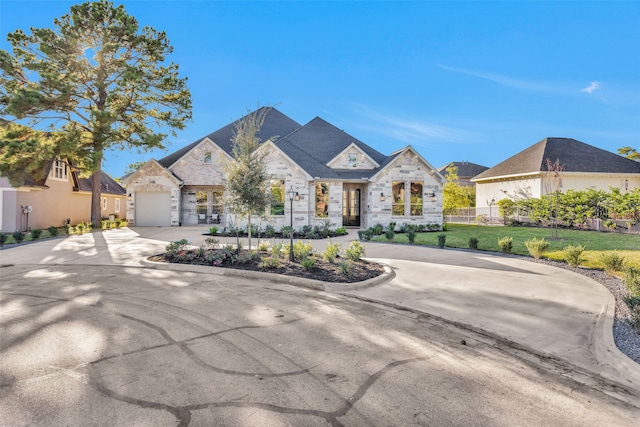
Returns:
(128, 346)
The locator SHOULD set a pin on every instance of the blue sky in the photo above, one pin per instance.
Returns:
(476, 81)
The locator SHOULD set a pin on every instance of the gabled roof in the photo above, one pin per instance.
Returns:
(575, 156)
(107, 185)
(318, 142)
(276, 125)
(465, 169)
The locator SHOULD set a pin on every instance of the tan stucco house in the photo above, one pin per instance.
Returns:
(526, 174)
(338, 179)
(62, 196)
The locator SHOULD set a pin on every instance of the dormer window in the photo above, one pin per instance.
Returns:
(59, 171)
(207, 158)
(353, 160)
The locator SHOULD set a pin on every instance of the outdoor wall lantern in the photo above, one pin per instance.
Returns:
(129, 197)
(626, 184)
(382, 197)
(293, 195)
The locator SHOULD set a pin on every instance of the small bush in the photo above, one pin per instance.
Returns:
(442, 239)
(341, 231)
(18, 236)
(3, 238)
(269, 231)
(211, 242)
(633, 302)
(70, 229)
(345, 266)
(263, 246)
(332, 252)
(276, 250)
(612, 261)
(175, 248)
(35, 233)
(573, 255)
(355, 251)
(392, 226)
(389, 234)
(270, 263)
(506, 244)
(411, 234)
(80, 228)
(53, 230)
(536, 247)
(213, 230)
(377, 229)
(105, 224)
(308, 263)
(302, 250)
(365, 234)
(632, 281)
(285, 231)
(473, 243)
(201, 251)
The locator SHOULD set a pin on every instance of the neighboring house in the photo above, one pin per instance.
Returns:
(338, 179)
(61, 196)
(466, 171)
(526, 174)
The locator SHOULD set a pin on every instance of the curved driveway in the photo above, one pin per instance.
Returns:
(542, 310)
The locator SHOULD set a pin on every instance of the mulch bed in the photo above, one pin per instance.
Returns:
(323, 271)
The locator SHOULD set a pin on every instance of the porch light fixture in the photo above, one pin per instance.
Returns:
(432, 195)
(129, 197)
(293, 195)
(382, 197)
(626, 184)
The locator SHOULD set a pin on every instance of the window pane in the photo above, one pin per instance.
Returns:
(353, 160)
(416, 199)
(322, 200)
(277, 197)
(117, 205)
(397, 206)
(201, 202)
(207, 157)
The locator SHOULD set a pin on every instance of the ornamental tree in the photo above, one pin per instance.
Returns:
(97, 82)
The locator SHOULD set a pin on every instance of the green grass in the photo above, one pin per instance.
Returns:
(628, 245)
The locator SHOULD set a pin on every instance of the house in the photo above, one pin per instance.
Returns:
(337, 180)
(466, 171)
(60, 197)
(527, 175)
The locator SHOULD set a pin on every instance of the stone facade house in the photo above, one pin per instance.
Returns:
(525, 175)
(338, 179)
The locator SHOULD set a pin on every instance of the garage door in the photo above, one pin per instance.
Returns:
(153, 208)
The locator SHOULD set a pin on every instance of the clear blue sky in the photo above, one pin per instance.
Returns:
(476, 81)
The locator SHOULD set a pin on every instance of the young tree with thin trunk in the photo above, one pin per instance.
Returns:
(554, 184)
(98, 82)
(247, 176)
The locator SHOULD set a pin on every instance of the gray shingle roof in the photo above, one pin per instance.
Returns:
(107, 185)
(317, 143)
(465, 169)
(276, 125)
(576, 156)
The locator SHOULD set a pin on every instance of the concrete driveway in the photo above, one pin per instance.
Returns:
(86, 302)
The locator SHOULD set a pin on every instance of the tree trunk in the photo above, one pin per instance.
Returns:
(96, 184)
(249, 229)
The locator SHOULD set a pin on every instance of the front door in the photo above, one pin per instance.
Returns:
(351, 207)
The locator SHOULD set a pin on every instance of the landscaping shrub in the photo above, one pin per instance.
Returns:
(211, 242)
(308, 263)
(269, 231)
(213, 230)
(473, 243)
(80, 228)
(506, 244)
(332, 252)
(365, 234)
(389, 234)
(355, 251)
(377, 229)
(573, 255)
(70, 229)
(35, 233)
(105, 224)
(392, 226)
(346, 266)
(442, 238)
(3, 238)
(536, 247)
(341, 231)
(174, 249)
(201, 251)
(632, 281)
(285, 231)
(276, 250)
(411, 233)
(302, 250)
(270, 263)
(263, 246)
(612, 261)
(53, 230)
(633, 302)
(18, 236)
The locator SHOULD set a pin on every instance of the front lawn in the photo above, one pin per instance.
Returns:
(595, 243)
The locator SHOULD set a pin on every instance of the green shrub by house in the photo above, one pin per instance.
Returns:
(573, 255)
(473, 243)
(536, 247)
(506, 244)
(612, 261)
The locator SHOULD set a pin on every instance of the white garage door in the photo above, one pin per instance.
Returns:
(153, 208)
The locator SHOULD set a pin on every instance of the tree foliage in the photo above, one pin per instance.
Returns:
(629, 153)
(98, 82)
(454, 195)
(247, 176)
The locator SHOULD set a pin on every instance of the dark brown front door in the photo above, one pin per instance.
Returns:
(351, 207)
